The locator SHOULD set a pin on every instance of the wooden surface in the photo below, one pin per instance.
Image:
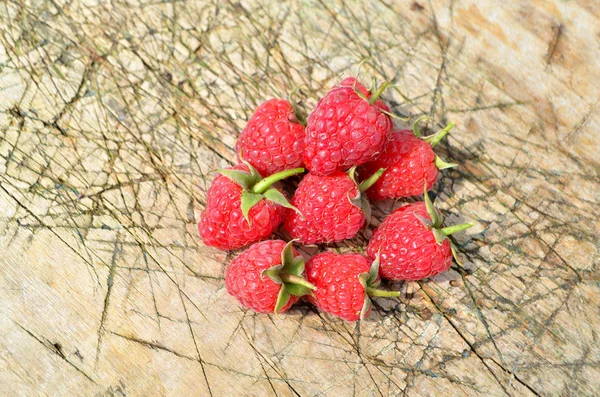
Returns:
(113, 113)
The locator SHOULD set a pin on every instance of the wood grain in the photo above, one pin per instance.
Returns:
(113, 113)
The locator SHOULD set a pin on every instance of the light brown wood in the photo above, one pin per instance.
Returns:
(113, 113)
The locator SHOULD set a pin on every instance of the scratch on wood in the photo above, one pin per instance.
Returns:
(581, 123)
(56, 349)
(557, 32)
(109, 285)
(415, 6)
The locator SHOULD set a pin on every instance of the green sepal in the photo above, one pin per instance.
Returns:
(374, 91)
(282, 299)
(436, 217)
(352, 174)
(288, 274)
(365, 307)
(254, 174)
(374, 271)
(394, 116)
(370, 283)
(365, 206)
(357, 92)
(442, 165)
(360, 200)
(439, 236)
(375, 94)
(254, 188)
(287, 258)
(415, 128)
(456, 228)
(242, 178)
(435, 226)
(277, 197)
(424, 221)
(295, 266)
(455, 255)
(433, 140)
(248, 201)
(363, 279)
(355, 201)
(273, 273)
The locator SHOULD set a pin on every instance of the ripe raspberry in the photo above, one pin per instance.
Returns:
(267, 277)
(409, 161)
(344, 283)
(241, 208)
(346, 129)
(273, 139)
(330, 208)
(411, 243)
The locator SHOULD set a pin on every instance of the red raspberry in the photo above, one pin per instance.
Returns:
(409, 162)
(344, 284)
(346, 130)
(273, 139)
(411, 243)
(267, 277)
(331, 208)
(224, 223)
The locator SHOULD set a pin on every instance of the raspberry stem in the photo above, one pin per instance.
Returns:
(379, 292)
(378, 93)
(292, 279)
(456, 228)
(370, 181)
(435, 139)
(266, 183)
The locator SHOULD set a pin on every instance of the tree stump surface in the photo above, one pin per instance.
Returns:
(113, 114)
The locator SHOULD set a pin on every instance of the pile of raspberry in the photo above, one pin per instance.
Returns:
(353, 155)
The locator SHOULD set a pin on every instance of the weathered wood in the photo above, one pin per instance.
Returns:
(113, 114)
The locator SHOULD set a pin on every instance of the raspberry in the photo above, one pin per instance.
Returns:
(267, 277)
(346, 130)
(330, 208)
(241, 208)
(344, 283)
(411, 243)
(409, 162)
(273, 139)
